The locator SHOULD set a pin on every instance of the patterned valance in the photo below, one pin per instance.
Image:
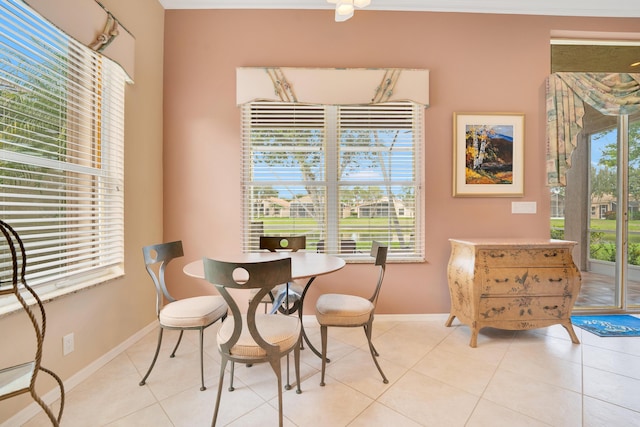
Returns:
(611, 94)
(343, 86)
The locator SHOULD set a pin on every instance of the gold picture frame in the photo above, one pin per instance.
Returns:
(488, 154)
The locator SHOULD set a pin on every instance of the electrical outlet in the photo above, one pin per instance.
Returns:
(67, 344)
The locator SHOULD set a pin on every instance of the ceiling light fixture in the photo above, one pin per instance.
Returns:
(345, 8)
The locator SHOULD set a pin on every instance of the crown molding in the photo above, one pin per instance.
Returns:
(595, 8)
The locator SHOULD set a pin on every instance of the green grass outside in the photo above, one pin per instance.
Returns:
(607, 227)
(599, 224)
(603, 239)
(348, 226)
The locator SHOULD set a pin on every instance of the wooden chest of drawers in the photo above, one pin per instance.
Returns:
(512, 284)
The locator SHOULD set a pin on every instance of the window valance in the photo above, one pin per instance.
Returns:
(332, 86)
(610, 93)
(91, 24)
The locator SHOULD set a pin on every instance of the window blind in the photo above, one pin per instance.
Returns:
(283, 170)
(61, 151)
(341, 175)
(379, 176)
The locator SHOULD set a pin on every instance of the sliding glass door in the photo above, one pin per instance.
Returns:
(600, 209)
(600, 205)
(630, 127)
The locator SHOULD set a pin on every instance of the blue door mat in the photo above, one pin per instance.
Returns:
(610, 325)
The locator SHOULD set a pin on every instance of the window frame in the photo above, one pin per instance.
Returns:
(73, 228)
(333, 123)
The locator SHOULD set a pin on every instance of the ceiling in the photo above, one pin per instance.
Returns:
(604, 8)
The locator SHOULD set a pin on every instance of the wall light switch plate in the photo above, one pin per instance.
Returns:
(523, 207)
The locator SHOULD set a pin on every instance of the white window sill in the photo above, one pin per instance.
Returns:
(50, 292)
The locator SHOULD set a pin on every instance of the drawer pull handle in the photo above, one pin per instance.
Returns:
(502, 280)
(556, 280)
(492, 312)
(551, 255)
(492, 255)
(550, 307)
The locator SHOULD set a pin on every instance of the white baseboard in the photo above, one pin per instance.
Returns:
(33, 409)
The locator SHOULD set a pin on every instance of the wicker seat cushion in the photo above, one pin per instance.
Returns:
(343, 310)
(193, 312)
(283, 331)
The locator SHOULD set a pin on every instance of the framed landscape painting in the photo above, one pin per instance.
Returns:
(488, 153)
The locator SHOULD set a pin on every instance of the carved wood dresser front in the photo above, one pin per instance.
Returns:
(513, 284)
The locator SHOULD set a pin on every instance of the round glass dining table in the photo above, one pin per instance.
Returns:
(304, 265)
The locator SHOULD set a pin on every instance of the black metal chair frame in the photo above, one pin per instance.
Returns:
(262, 276)
(379, 253)
(162, 254)
(277, 244)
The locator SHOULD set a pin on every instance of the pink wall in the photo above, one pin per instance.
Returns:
(477, 63)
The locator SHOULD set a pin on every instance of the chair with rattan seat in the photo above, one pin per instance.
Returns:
(341, 310)
(21, 378)
(193, 313)
(247, 337)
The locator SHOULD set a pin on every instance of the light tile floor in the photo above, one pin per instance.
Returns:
(529, 378)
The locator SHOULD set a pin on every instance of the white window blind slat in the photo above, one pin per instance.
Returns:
(61, 150)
